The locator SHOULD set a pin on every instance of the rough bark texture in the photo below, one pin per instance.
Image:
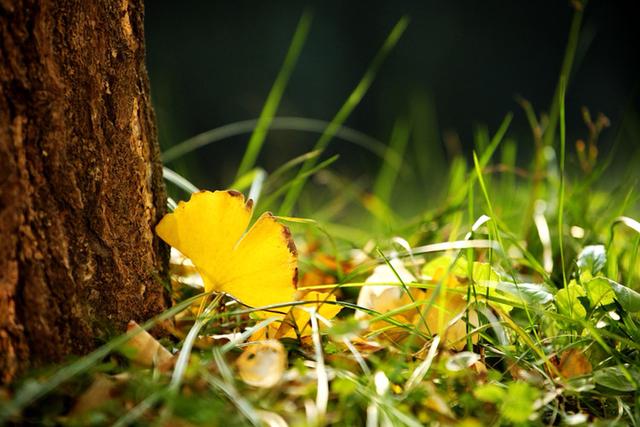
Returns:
(80, 180)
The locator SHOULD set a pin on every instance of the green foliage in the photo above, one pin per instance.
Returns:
(518, 403)
(592, 259)
(275, 95)
(615, 379)
(568, 301)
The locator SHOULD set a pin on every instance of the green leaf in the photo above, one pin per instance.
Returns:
(627, 297)
(614, 378)
(445, 264)
(517, 406)
(592, 259)
(483, 271)
(492, 393)
(345, 328)
(486, 279)
(599, 291)
(530, 293)
(343, 387)
(568, 303)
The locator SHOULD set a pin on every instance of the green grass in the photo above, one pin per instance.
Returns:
(483, 224)
(343, 113)
(275, 95)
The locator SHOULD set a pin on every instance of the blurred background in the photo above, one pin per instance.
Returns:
(456, 72)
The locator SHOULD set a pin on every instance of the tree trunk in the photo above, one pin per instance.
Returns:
(80, 179)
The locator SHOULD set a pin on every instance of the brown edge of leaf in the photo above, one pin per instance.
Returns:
(234, 193)
(291, 245)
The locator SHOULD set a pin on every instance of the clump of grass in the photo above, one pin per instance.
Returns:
(549, 267)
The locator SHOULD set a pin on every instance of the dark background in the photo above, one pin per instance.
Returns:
(213, 63)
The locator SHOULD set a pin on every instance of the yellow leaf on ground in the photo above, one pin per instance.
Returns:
(296, 324)
(258, 267)
(445, 316)
(302, 317)
(388, 295)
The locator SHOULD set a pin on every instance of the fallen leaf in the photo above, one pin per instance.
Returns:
(99, 392)
(147, 351)
(301, 317)
(573, 363)
(271, 419)
(258, 267)
(383, 297)
(262, 364)
(366, 346)
(296, 323)
(436, 403)
(462, 361)
(445, 317)
(324, 271)
(480, 368)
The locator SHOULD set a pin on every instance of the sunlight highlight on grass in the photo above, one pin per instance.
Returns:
(352, 101)
(565, 73)
(298, 124)
(562, 178)
(384, 182)
(275, 95)
(180, 181)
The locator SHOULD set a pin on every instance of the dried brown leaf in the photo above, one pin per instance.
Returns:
(262, 364)
(148, 351)
(573, 363)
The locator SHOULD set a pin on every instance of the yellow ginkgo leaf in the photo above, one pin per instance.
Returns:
(324, 307)
(445, 316)
(258, 267)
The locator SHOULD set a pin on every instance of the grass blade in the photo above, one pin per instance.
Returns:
(179, 180)
(567, 64)
(387, 175)
(484, 158)
(275, 95)
(248, 179)
(287, 166)
(33, 390)
(256, 186)
(562, 183)
(352, 101)
(300, 124)
(272, 197)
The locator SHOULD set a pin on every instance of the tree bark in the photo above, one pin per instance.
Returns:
(80, 179)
